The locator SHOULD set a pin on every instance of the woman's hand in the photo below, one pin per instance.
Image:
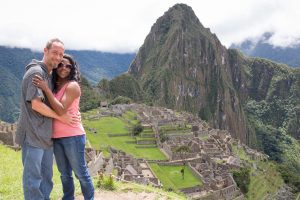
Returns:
(39, 82)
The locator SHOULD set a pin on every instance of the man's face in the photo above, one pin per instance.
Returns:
(54, 55)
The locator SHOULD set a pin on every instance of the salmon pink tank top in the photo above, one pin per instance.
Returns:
(63, 130)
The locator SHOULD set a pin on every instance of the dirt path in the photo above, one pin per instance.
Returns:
(107, 195)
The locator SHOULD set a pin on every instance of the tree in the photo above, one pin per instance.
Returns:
(242, 179)
(121, 100)
(137, 129)
(89, 99)
(103, 87)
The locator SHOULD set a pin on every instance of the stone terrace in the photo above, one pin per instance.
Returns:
(210, 155)
(7, 133)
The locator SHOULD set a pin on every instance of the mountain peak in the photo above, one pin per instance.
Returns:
(177, 34)
(180, 16)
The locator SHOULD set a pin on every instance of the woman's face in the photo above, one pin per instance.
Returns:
(64, 69)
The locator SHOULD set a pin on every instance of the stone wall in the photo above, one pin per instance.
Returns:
(7, 138)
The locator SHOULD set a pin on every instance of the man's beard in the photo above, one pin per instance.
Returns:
(54, 66)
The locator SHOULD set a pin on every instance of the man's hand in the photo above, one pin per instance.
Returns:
(70, 119)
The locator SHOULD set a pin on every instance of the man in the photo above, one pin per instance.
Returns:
(35, 125)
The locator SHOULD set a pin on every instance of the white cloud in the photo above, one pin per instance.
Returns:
(122, 26)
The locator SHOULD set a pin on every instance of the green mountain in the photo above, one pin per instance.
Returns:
(94, 66)
(183, 66)
(12, 65)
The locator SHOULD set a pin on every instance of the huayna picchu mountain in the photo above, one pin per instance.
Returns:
(183, 66)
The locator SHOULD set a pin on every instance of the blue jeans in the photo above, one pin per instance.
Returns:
(37, 174)
(69, 155)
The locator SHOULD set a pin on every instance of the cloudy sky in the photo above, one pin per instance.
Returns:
(122, 25)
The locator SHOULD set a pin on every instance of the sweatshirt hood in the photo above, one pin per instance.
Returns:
(36, 62)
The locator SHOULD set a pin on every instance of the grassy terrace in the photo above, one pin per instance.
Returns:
(241, 153)
(11, 176)
(262, 182)
(113, 125)
(169, 129)
(171, 177)
(11, 180)
(130, 116)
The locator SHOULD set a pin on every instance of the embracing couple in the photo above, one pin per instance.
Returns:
(50, 122)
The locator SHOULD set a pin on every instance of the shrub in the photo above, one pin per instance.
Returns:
(121, 100)
(106, 183)
(109, 183)
(137, 129)
(242, 179)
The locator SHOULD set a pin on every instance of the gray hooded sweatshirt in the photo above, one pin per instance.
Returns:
(33, 128)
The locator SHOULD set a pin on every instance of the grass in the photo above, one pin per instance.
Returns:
(204, 137)
(88, 113)
(240, 153)
(131, 116)
(171, 177)
(264, 182)
(11, 180)
(112, 125)
(11, 169)
(137, 188)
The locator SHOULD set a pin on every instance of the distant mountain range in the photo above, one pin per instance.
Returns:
(94, 65)
(263, 49)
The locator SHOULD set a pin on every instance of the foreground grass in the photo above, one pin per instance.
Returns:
(171, 177)
(11, 180)
(11, 170)
(113, 125)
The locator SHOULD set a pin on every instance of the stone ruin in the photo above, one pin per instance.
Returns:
(7, 134)
(210, 155)
(131, 169)
(95, 161)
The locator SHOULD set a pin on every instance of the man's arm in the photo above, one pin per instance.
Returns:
(38, 106)
(72, 92)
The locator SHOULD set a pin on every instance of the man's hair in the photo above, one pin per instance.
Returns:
(50, 42)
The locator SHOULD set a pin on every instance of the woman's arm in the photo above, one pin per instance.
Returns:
(38, 106)
(72, 91)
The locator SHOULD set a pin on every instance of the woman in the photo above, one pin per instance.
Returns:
(69, 141)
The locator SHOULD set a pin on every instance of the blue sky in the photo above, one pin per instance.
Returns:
(121, 26)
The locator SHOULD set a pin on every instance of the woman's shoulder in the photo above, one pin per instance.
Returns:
(73, 86)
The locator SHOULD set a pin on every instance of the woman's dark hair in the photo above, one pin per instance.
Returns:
(74, 73)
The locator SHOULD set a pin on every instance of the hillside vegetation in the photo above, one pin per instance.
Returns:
(94, 65)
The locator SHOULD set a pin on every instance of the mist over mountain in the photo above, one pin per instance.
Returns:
(263, 48)
(94, 65)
